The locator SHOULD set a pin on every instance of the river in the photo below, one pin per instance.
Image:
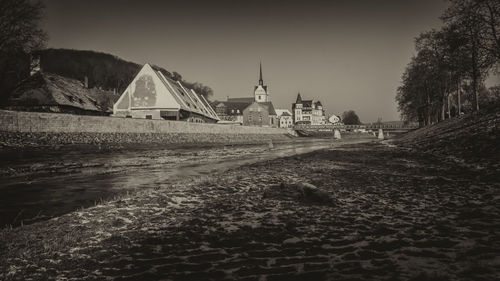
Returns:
(41, 183)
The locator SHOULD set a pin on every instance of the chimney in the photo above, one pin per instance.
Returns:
(227, 98)
(86, 83)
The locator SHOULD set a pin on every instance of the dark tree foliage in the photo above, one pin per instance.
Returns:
(446, 76)
(350, 118)
(102, 70)
(20, 34)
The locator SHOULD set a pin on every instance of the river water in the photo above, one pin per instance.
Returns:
(38, 184)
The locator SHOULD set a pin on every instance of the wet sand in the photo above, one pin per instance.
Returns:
(374, 212)
(40, 183)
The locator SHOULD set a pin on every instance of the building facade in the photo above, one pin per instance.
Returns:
(308, 112)
(249, 111)
(152, 95)
(285, 119)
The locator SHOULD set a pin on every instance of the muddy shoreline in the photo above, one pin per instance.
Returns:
(392, 214)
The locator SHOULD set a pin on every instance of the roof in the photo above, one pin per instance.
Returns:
(52, 89)
(270, 107)
(232, 106)
(283, 112)
(307, 103)
(187, 98)
(299, 98)
(239, 100)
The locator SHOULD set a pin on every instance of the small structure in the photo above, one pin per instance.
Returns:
(284, 118)
(336, 134)
(152, 95)
(380, 134)
(308, 112)
(334, 119)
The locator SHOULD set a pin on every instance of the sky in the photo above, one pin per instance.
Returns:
(348, 54)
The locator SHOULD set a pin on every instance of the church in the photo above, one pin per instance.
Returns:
(249, 111)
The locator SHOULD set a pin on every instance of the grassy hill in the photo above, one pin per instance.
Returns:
(473, 139)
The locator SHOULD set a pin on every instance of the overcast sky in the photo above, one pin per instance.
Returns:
(347, 54)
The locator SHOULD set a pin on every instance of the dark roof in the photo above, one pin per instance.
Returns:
(270, 107)
(52, 89)
(285, 114)
(231, 106)
(318, 103)
(238, 100)
(299, 98)
(307, 103)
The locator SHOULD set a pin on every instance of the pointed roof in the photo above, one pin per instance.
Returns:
(261, 82)
(299, 98)
(174, 94)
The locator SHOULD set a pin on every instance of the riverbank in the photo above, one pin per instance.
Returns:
(27, 129)
(364, 211)
(35, 187)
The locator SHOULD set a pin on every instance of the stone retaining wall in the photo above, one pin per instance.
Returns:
(51, 128)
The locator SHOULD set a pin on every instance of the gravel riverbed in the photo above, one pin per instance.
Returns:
(366, 211)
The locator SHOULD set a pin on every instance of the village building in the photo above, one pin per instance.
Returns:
(284, 118)
(249, 111)
(152, 95)
(48, 92)
(308, 112)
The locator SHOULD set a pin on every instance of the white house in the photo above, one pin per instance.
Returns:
(152, 95)
(284, 118)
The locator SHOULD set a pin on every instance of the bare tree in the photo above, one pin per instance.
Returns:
(19, 25)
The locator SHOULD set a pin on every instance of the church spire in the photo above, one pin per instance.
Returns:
(261, 82)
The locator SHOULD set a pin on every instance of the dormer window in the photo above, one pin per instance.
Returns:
(238, 111)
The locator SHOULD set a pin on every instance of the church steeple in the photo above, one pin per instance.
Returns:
(260, 91)
(261, 82)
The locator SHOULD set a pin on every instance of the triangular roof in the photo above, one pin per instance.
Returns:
(299, 98)
(164, 93)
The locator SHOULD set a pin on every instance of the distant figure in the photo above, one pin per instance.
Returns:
(336, 134)
(380, 134)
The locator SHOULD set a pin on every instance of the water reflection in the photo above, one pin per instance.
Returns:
(51, 183)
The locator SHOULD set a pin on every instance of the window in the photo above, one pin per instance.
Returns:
(260, 97)
(237, 111)
(149, 116)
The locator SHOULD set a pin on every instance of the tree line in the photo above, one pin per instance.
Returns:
(22, 39)
(446, 76)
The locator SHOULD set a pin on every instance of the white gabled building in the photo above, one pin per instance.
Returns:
(284, 118)
(152, 95)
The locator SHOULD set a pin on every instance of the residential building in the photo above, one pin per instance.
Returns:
(285, 119)
(308, 112)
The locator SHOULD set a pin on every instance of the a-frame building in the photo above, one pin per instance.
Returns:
(152, 95)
